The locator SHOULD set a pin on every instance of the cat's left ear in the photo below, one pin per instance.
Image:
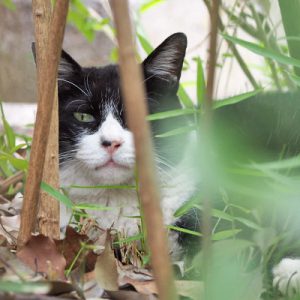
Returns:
(67, 65)
(165, 62)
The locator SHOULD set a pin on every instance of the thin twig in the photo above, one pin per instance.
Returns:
(136, 111)
(4, 186)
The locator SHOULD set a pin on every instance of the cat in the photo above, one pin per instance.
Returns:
(96, 147)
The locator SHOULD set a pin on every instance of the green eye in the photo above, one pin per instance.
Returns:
(82, 117)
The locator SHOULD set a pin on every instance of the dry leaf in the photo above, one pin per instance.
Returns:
(41, 255)
(106, 268)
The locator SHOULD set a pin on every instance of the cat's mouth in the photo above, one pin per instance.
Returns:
(110, 164)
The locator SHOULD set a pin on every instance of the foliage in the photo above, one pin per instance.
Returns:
(255, 196)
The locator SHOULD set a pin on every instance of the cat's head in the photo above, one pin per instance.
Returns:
(93, 135)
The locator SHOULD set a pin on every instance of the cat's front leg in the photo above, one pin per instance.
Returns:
(286, 276)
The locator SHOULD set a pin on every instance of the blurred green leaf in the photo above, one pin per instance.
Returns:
(176, 228)
(17, 163)
(170, 114)
(57, 195)
(25, 287)
(184, 98)
(248, 223)
(283, 59)
(8, 4)
(235, 99)
(130, 239)
(92, 206)
(176, 131)
(150, 3)
(10, 135)
(201, 86)
(225, 234)
(145, 44)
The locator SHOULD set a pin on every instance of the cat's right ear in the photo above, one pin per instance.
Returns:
(67, 66)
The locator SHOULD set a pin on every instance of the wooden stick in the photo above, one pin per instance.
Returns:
(42, 124)
(4, 186)
(48, 214)
(136, 111)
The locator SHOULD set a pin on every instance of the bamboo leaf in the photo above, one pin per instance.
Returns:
(235, 99)
(280, 58)
(201, 86)
(25, 287)
(170, 114)
(144, 7)
(180, 229)
(222, 235)
(176, 131)
(184, 98)
(145, 44)
(57, 194)
(10, 135)
(93, 206)
(130, 239)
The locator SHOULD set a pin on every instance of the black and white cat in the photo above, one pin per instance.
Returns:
(96, 147)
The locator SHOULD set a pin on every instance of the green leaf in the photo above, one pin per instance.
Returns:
(289, 163)
(248, 223)
(295, 79)
(111, 187)
(268, 53)
(201, 86)
(25, 287)
(92, 206)
(149, 4)
(145, 44)
(17, 163)
(222, 215)
(8, 4)
(10, 135)
(235, 99)
(130, 239)
(184, 98)
(186, 206)
(225, 234)
(176, 131)
(172, 227)
(57, 194)
(170, 114)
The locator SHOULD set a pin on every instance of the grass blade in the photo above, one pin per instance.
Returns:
(180, 229)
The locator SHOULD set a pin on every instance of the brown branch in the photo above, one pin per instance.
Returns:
(136, 111)
(48, 214)
(4, 186)
(42, 125)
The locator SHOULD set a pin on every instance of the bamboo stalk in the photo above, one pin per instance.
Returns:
(205, 150)
(291, 22)
(136, 111)
(42, 125)
(48, 214)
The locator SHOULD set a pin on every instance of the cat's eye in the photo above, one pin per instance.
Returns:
(82, 117)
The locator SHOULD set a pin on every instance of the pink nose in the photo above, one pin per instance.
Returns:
(111, 146)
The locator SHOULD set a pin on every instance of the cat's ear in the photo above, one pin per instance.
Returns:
(165, 62)
(67, 65)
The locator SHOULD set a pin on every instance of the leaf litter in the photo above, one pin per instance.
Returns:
(85, 264)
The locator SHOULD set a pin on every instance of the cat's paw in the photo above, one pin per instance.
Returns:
(286, 276)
